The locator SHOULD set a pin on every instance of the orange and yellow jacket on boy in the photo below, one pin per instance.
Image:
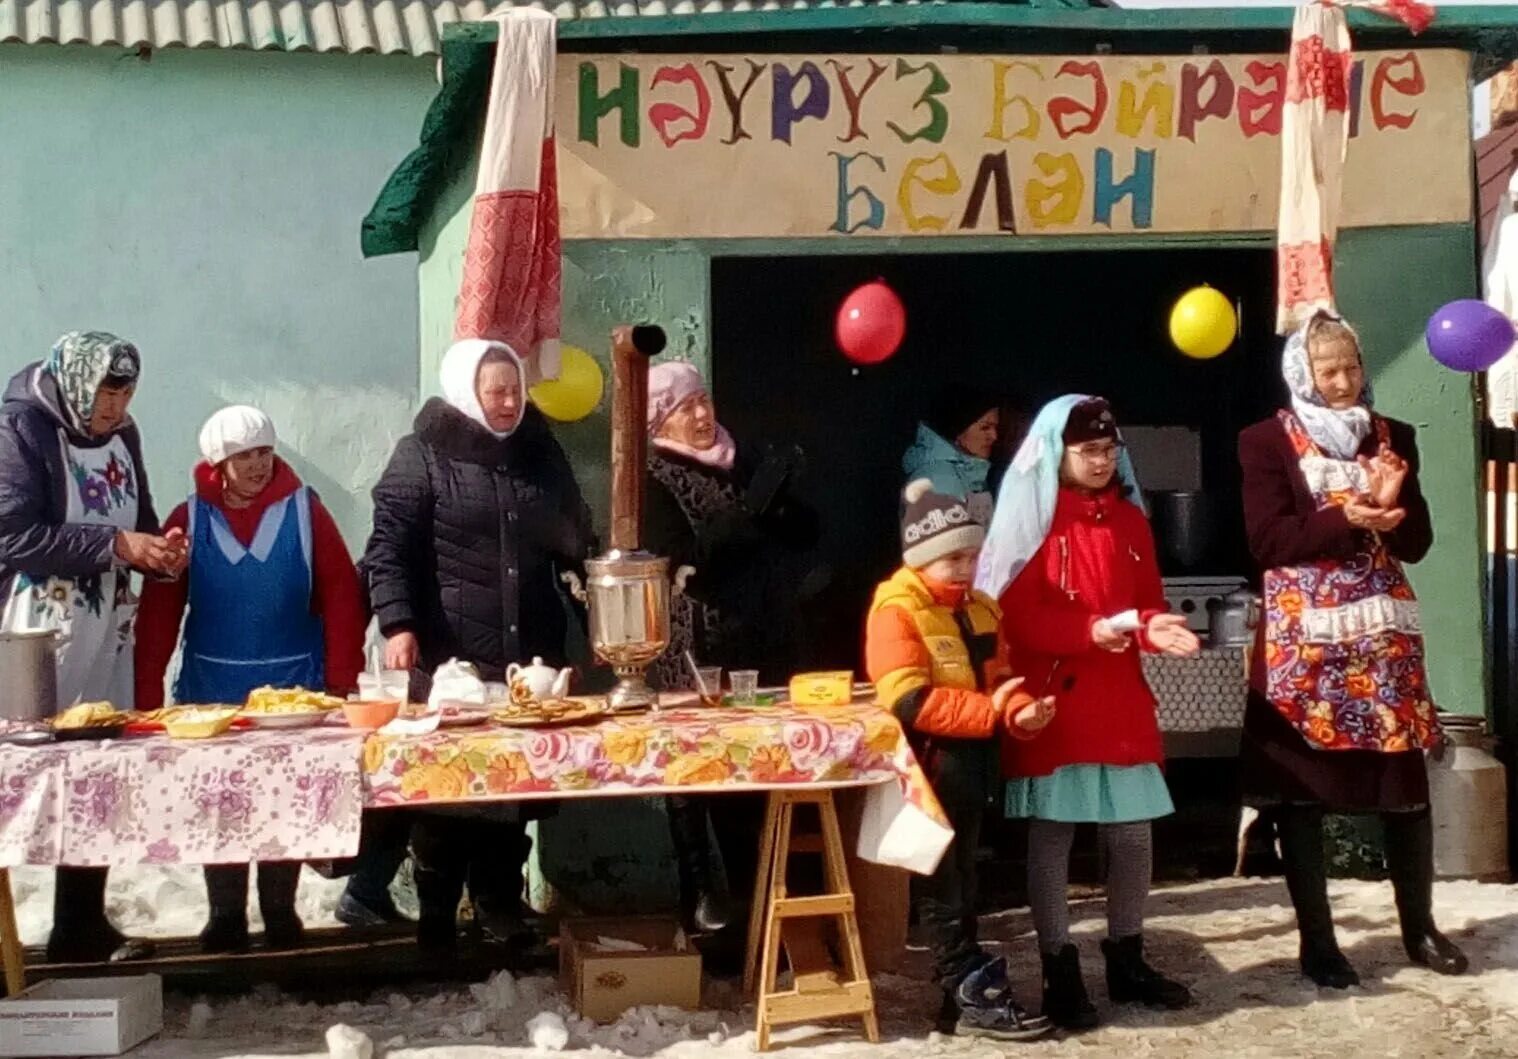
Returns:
(931, 651)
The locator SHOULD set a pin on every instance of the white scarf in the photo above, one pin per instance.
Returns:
(1339, 432)
(459, 376)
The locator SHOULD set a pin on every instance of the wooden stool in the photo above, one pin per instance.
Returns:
(819, 990)
(10, 939)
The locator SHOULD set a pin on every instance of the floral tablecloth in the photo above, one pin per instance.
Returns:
(267, 795)
(298, 795)
(678, 751)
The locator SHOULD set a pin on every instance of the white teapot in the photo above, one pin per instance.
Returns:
(537, 682)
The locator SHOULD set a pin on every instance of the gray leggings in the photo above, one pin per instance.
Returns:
(1130, 860)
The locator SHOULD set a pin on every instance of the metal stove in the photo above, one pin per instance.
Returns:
(1196, 596)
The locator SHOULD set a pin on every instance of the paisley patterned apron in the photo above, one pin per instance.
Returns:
(1343, 640)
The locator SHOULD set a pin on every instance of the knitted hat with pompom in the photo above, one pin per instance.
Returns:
(934, 525)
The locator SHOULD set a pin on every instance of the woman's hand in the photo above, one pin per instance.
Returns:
(1369, 517)
(1031, 717)
(401, 651)
(1169, 635)
(152, 554)
(1385, 474)
(1107, 638)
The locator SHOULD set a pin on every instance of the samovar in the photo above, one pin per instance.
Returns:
(628, 590)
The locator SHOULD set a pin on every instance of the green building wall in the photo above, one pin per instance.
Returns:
(202, 204)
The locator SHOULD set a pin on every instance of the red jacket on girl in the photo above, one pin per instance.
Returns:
(1097, 562)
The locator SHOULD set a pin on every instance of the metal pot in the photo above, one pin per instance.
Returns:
(1182, 527)
(29, 669)
(1232, 622)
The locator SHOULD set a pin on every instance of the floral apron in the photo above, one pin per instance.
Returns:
(1343, 639)
(93, 614)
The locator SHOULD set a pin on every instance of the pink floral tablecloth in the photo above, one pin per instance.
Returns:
(266, 795)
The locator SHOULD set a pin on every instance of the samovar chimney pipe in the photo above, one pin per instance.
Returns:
(631, 348)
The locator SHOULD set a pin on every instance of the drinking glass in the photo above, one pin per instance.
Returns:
(745, 686)
(709, 685)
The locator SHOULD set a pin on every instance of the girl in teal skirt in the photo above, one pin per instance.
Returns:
(1070, 557)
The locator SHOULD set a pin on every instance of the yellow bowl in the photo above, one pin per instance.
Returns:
(198, 723)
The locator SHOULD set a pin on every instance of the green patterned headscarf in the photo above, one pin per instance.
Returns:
(83, 360)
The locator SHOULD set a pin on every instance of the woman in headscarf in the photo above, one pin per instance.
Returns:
(272, 599)
(954, 446)
(736, 522)
(1071, 558)
(474, 519)
(76, 519)
(1339, 712)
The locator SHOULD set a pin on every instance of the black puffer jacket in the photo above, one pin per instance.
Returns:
(470, 535)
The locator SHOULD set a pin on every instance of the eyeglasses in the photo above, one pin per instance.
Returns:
(1098, 451)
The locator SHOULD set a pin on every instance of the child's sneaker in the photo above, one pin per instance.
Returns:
(986, 1008)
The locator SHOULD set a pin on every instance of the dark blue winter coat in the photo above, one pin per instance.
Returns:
(34, 538)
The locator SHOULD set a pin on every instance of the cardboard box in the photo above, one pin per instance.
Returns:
(602, 981)
(82, 1016)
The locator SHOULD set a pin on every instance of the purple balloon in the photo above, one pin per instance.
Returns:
(1469, 335)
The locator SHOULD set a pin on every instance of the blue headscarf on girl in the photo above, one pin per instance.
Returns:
(1029, 492)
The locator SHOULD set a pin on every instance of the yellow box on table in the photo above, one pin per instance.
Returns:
(609, 965)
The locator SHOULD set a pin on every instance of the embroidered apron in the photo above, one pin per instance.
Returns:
(249, 622)
(92, 614)
(1343, 640)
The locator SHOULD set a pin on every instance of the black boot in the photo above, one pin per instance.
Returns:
(703, 908)
(278, 882)
(1301, 832)
(1130, 979)
(1410, 860)
(227, 891)
(440, 866)
(81, 932)
(494, 873)
(1066, 1002)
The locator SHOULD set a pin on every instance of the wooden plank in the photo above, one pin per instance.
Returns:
(812, 967)
(816, 905)
(13, 955)
(853, 998)
(761, 902)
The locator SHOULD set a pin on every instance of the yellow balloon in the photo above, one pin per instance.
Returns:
(1203, 324)
(576, 392)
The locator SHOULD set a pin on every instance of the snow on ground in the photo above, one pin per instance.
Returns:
(1234, 940)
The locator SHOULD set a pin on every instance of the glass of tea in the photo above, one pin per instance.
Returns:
(709, 685)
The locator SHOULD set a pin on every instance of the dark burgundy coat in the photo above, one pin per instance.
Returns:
(1285, 526)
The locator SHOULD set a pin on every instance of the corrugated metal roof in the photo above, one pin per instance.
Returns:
(386, 27)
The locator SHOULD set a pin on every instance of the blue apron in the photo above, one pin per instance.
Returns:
(250, 622)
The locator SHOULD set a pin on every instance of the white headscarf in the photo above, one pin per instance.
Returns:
(460, 373)
(233, 430)
(1339, 432)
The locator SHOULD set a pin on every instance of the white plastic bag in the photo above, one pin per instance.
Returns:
(456, 681)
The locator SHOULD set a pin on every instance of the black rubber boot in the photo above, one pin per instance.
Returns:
(1066, 1002)
(278, 882)
(1306, 869)
(704, 909)
(1410, 860)
(1130, 979)
(227, 891)
(81, 932)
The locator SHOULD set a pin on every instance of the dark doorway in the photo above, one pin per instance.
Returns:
(1029, 326)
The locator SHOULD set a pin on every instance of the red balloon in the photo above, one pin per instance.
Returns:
(871, 324)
